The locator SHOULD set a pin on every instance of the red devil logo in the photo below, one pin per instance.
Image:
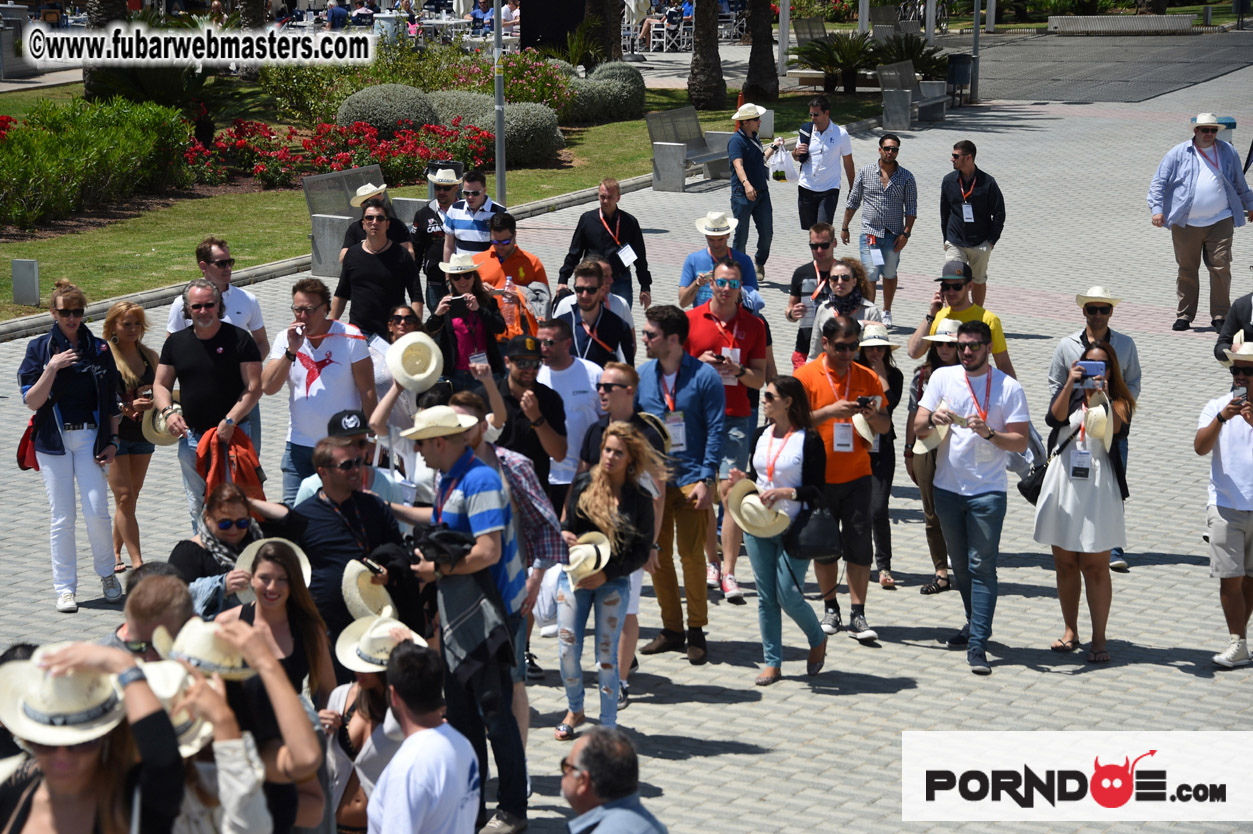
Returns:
(1111, 785)
(313, 368)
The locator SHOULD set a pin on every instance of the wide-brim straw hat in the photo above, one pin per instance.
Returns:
(458, 264)
(1097, 294)
(11, 765)
(748, 111)
(874, 334)
(588, 556)
(945, 331)
(415, 361)
(659, 426)
(362, 597)
(169, 681)
(438, 421)
(154, 426)
(716, 224)
(249, 556)
(445, 176)
(1097, 422)
(862, 426)
(67, 709)
(198, 644)
(365, 192)
(366, 644)
(1206, 120)
(922, 445)
(752, 516)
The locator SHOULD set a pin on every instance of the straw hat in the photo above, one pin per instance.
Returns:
(1098, 294)
(69, 709)
(874, 334)
(11, 765)
(588, 556)
(748, 111)
(1240, 349)
(659, 426)
(199, 645)
(367, 643)
(458, 264)
(744, 504)
(169, 682)
(922, 445)
(363, 597)
(415, 361)
(153, 425)
(945, 331)
(245, 560)
(365, 192)
(1206, 120)
(716, 224)
(438, 421)
(1096, 422)
(445, 176)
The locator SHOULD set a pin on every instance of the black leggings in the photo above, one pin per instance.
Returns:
(882, 468)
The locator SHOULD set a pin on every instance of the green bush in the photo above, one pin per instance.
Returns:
(928, 60)
(84, 155)
(564, 66)
(531, 132)
(632, 107)
(384, 105)
(310, 93)
(473, 108)
(598, 101)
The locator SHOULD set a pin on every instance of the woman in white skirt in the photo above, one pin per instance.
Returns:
(1080, 510)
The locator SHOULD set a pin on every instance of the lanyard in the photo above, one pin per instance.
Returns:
(439, 505)
(668, 395)
(727, 335)
(848, 380)
(822, 282)
(987, 398)
(772, 460)
(1213, 162)
(591, 333)
(617, 227)
(1083, 423)
(965, 194)
(358, 536)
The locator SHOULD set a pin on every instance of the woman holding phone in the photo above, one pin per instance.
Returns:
(466, 323)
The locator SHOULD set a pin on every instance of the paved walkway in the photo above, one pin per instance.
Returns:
(814, 754)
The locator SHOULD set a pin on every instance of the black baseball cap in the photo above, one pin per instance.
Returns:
(522, 346)
(956, 269)
(348, 423)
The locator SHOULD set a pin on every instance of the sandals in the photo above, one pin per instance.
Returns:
(1064, 646)
(1098, 656)
(565, 730)
(767, 678)
(937, 585)
(119, 567)
(886, 580)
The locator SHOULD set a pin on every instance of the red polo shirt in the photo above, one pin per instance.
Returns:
(745, 332)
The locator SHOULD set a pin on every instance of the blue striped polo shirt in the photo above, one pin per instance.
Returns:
(468, 228)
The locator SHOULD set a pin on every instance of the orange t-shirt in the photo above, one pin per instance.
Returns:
(523, 267)
(821, 386)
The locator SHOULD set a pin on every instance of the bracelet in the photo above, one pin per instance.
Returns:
(291, 357)
(1220, 418)
(743, 370)
(844, 229)
(129, 676)
(930, 317)
(535, 424)
(991, 434)
(165, 412)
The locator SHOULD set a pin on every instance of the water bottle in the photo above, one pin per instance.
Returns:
(509, 308)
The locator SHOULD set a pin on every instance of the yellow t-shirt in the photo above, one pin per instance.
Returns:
(975, 313)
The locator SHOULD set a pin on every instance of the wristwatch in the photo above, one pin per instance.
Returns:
(535, 424)
(906, 235)
(291, 357)
(743, 370)
(229, 421)
(129, 676)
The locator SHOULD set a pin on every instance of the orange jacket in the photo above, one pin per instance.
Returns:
(236, 463)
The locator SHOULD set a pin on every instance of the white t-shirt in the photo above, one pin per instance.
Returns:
(507, 15)
(1209, 201)
(787, 466)
(1231, 462)
(576, 386)
(242, 310)
(968, 464)
(431, 786)
(821, 172)
(617, 305)
(320, 382)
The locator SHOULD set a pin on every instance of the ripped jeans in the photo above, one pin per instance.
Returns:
(610, 601)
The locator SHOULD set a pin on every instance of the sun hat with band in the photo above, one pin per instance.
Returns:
(458, 264)
(169, 682)
(1206, 120)
(367, 642)
(362, 597)
(154, 424)
(945, 331)
(716, 224)
(198, 644)
(438, 421)
(366, 192)
(415, 361)
(249, 556)
(445, 176)
(588, 556)
(748, 111)
(922, 445)
(63, 710)
(1096, 420)
(745, 506)
(1096, 295)
(874, 334)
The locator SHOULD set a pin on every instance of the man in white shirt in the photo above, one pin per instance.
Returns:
(1230, 510)
(240, 309)
(327, 368)
(821, 149)
(986, 416)
(432, 784)
(574, 379)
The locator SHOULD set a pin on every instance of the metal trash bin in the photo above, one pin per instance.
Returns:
(959, 70)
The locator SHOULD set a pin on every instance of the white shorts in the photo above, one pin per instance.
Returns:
(975, 256)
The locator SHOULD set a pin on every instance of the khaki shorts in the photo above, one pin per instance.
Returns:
(976, 256)
(1230, 542)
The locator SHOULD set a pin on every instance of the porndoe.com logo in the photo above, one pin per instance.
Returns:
(1042, 776)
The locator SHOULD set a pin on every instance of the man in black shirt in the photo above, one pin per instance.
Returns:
(428, 234)
(376, 275)
(609, 229)
(218, 370)
(535, 423)
(397, 232)
(810, 286)
(599, 335)
(972, 216)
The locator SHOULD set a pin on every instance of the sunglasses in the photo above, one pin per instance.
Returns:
(826, 245)
(767, 396)
(1099, 309)
(567, 768)
(463, 276)
(404, 320)
(609, 386)
(841, 277)
(586, 290)
(207, 306)
(649, 335)
(304, 311)
(525, 364)
(1208, 129)
(889, 149)
(373, 218)
(137, 647)
(472, 193)
(1237, 370)
(504, 242)
(241, 523)
(71, 312)
(550, 342)
(726, 283)
(958, 155)
(223, 263)
(945, 286)
(350, 464)
(972, 347)
(843, 347)
(445, 187)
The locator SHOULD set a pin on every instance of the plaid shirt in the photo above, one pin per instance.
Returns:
(540, 526)
(885, 209)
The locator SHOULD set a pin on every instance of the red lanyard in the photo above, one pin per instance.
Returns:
(439, 506)
(1214, 162)
(822, 282)
(728, 336)
(1083, 423)
(668, 395)
(357, 536)
(987, 398)
(591, 333)
(617, 227)
(965, 194)
(848, 380)
(772, 460)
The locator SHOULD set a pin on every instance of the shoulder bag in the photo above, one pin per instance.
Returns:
(1030, 485)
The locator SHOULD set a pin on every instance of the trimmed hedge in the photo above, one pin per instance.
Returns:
(622, 71)
(565, 66)
(531, 132)
(614, 92)
(383, 105)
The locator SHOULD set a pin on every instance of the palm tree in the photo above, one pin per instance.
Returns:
(608, 14)
(762, 82)
(100, 13)
(706, 88)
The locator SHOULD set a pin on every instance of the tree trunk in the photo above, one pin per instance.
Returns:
(100, 13)
(252, 15)
(706, 87)
(609, 13)
(850, 81)
(762, 83)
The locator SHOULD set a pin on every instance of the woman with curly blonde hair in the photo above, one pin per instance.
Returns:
(608, 499)
(846, 292)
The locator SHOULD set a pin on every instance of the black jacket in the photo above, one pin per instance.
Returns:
(440, 329)
(590, 236)
(989, 210)
(636, 507)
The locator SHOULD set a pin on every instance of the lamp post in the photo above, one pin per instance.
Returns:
(499, 74)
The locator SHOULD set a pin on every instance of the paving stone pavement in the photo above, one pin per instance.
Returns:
(809, 754)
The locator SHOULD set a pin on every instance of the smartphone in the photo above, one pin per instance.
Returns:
(864, 402)
(1091, 369)
(1240, 393)
(371, 565)
(720, 357)
(146, 393)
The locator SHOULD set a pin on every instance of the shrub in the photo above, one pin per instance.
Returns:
(597, 101)
(531, 131)
(403, 159)
(928, 60)
(309, 93)
(473, 108)
(564, 66)
(385, 105)
(632, 107)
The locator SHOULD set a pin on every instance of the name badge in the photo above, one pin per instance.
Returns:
(678, 431)
(627, 255)
(724, 372)
(478, 358)
(874, 445)
(876, 256)
(985, 452)
(842, 437)
(1080, 464)
(968, 213)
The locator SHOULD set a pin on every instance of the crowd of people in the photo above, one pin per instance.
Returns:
(474, 459)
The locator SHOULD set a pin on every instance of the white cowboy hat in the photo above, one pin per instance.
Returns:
(748, 111)
(862, 427)
(367, 643)
(458, 264)
(716, 224)
(659, 426)
(445, 176)
(945, 331)
(245, 560)
(1206, 120)
(1097, 422)
(922, 445)
(1097, 294)
(153, 425)
(874, 334)
(744, 505)
(169, 681)
(537, 298)
(438, 421)
(363, 597)
(588, 556)
(415, 361)
(11, 765)
(365, 192)
(68, 709)
(199, 645)
(1241, 349)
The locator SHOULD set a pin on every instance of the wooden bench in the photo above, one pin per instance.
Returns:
(903, 95)
(679, 141)
(1140, 24)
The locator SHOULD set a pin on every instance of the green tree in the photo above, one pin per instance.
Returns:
(100, 13)
(706, 87)
(762, 82)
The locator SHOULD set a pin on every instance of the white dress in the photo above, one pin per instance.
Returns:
(1080, 515)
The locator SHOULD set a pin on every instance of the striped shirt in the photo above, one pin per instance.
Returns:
(468, 228)
(470, 498)
(885, 209)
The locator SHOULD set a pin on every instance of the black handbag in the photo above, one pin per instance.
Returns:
(815, 535)
(1031, 485)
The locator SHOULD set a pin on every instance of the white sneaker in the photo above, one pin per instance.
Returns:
(1237, 653)
(112, 588)
(887, 319)
(66, 603)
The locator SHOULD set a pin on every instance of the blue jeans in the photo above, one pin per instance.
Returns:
(622, 286)
(777, 591)
(193, 484)
(297, 465)
(254, 428)
(435, 293)
(759, 210)
(972, 531)
(610, 603)
(891, 258)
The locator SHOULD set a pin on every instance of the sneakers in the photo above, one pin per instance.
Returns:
(1180, 325)
(665, 641)
(1237, 653)
(731, 588)
(761, 271)
(960, 639)
(887, 319)
(978, 662)
(66, 603)
(831, 623)
(503, 822)
(624, 695)
(533, 670)
(713, 576)
(859, 629)
(1117, 561)
(112, 588)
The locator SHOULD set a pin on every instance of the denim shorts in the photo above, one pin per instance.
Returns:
(737, 438)
(134, 447)
(517, 627)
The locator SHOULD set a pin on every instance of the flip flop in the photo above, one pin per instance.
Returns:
(886, 580)
(1098, 656)
(120, 568)
(1064, 646)
(565, 731)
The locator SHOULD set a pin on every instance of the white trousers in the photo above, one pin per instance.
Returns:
(59, 473)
